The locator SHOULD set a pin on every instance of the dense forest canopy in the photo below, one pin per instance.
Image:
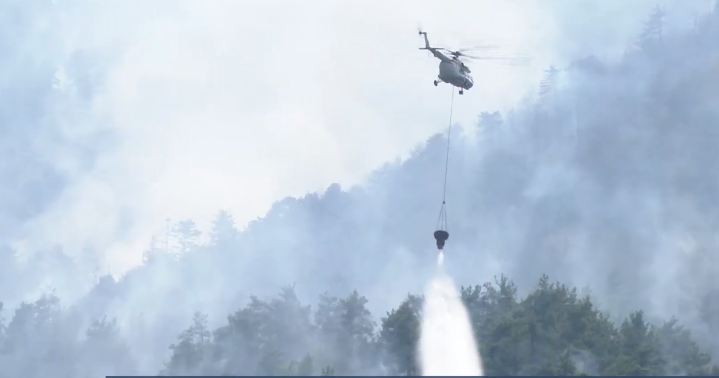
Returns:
(604, 182)
(551, 331)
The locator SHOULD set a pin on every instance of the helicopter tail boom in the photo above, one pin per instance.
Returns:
(426, 41)
(436, 51)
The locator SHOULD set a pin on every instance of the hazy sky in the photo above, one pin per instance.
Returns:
(235, 104)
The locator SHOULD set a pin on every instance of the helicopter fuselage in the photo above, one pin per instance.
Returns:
(451, 70)
(453, 73)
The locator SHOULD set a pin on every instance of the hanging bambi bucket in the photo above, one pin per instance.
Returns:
(441, 237)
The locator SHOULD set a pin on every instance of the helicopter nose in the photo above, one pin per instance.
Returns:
(469, 84)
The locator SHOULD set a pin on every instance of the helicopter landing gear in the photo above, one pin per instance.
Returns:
(461, 91)
(436, 82)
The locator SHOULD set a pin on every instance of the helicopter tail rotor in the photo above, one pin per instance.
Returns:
(419, 29)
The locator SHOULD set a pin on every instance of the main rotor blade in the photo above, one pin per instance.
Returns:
(479, 47)
(518, 60)
(467, 56)
(462, 52)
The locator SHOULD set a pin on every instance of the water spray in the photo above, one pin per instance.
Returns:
(447, 345)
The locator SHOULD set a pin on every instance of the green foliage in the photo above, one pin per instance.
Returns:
(399, 337)
(190, 352)
(551, 331)
(653, 31)
(346, 330)
(306, 366)
(43, 339)
(185, 234)
(328, 371)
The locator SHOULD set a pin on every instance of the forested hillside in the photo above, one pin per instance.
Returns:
(552, 331)
(604, 181)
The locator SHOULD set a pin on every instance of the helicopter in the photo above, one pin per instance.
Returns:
(452, 70)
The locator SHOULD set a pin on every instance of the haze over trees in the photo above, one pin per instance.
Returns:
(604, 182)
(551, 331)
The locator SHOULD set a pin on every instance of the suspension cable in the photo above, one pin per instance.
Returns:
(442, 219)
(446, 159)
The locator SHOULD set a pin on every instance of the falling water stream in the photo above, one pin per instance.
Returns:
(447, 345)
